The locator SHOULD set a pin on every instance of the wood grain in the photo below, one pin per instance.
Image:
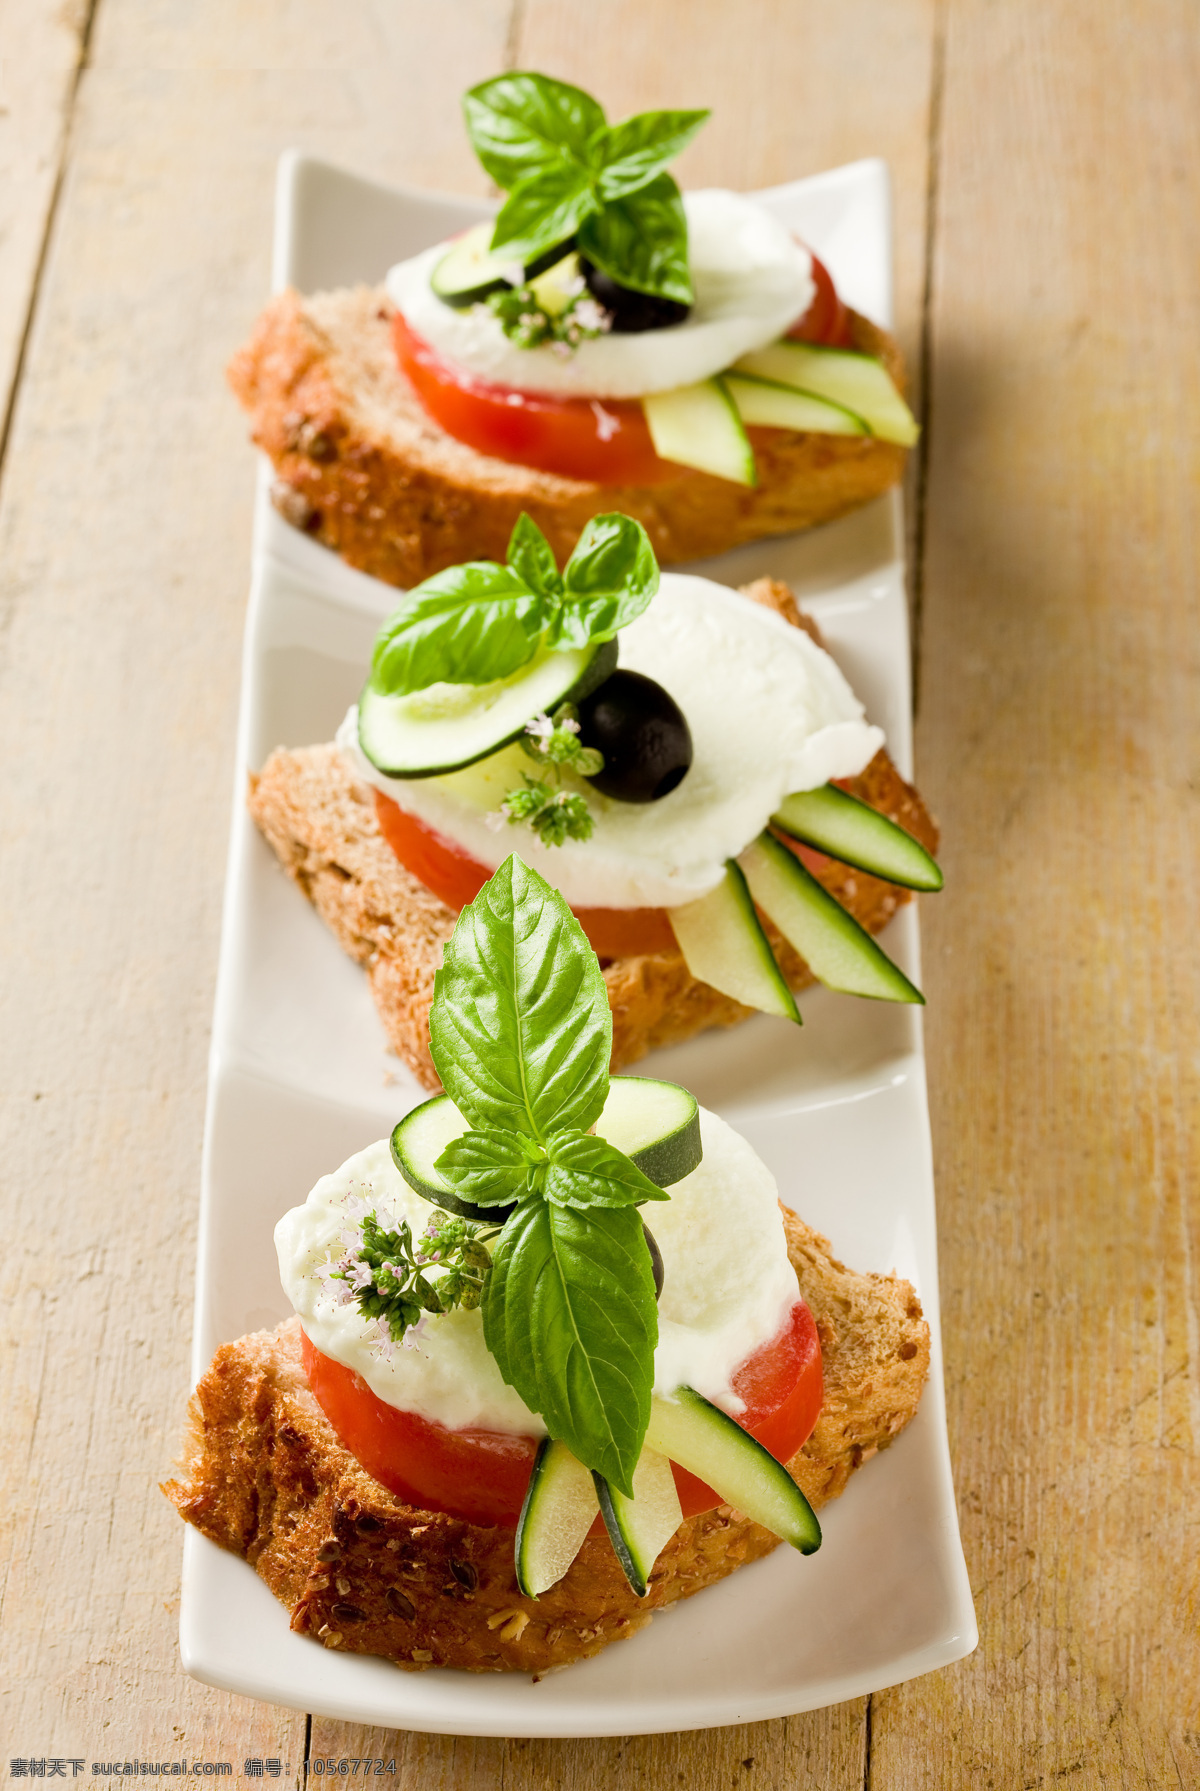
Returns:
(1059, 743)
(40, 51)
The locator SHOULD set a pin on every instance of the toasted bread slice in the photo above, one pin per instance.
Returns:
(364, 469)
(320, 819)
(265, 1476)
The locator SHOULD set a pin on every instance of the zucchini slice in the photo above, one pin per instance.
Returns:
(559, 1510)
(836, 949)
(699, 426)
(783, 407)
(656, 1124)
(640, 1528)
(860, 382)
(854, 833)
(431, 732)
(708, 1443)
(723, 945)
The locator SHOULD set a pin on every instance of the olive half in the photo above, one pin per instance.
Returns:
(642, 733)
(632, 312)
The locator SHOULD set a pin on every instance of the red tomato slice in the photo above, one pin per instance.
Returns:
(601, 440)
(457, 878)
(481, 1475)
(827, 320)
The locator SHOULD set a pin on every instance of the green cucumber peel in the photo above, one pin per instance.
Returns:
(521, 1036)
(570, 177)
(480, 622)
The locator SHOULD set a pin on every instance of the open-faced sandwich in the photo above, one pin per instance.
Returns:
(605, 343)
(512, 1416)
(715, 808)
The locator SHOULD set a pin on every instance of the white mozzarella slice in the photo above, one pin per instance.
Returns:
(728, 1287)
(752, 280)
(769, 713)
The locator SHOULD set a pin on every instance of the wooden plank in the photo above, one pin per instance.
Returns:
(42, 47)
(1059, 743)
(124, 543)
(825, 1751)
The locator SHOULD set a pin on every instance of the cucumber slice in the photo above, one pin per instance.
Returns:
(783, 407)
(723, 945)
(419, 1140)
(559, 1510)
(640, 1528)
(430, 732)
(836, 949)
(657, 1124)
(861, 382)
(854, 833)
(709, 1444)
(699, 426)
(468, 270)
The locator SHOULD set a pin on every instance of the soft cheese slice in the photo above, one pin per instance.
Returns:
(769, 713)
(751, 277)
(728, 1287)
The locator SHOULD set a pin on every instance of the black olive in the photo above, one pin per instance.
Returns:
(656, 1261)
(640, 729)
(631, 311)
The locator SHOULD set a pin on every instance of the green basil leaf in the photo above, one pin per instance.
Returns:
(608, 580)
(635, 151)
(570, 1316)
(491, 1168)
(518, 123)
(520, 1028)
(588, 1171)
(545, 209)
(531, 558)
(641, 241)
(468, 625)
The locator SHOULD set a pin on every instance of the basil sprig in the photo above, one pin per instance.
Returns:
(521, 1035)
(569, 174)
(479, 622)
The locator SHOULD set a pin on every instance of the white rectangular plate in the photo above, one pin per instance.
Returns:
(300, 1079)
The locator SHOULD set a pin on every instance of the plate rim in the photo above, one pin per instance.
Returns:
(295, 166)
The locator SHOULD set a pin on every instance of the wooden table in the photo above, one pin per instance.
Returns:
(1044, 156)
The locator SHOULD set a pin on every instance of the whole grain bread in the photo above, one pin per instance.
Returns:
(264, 1475)
(363, 468)
(319, 817)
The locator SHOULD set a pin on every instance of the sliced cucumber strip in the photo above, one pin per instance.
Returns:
(559, 1510)
(709, 1444)
(861, 382)
(723, 945)
(431, 732)
(836, 949)
(657, 1124)
(783, 407)
(640, 1528)
(699, 426)
(854, 833)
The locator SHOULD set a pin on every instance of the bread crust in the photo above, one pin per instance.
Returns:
(366, 471)
(265, 1476)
